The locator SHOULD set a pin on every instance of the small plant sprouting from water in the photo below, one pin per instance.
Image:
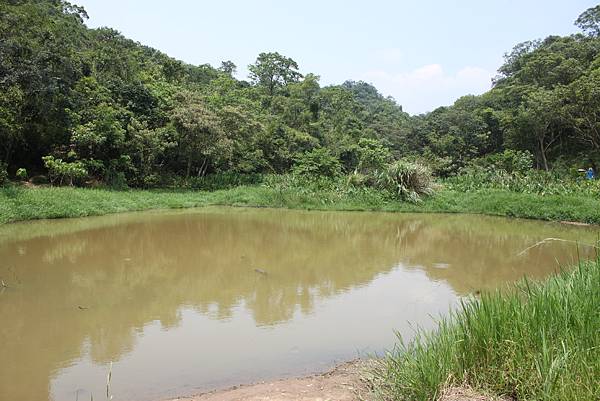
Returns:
(109, 396)
(108, 379)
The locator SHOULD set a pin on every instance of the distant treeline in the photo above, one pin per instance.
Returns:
(89, 105)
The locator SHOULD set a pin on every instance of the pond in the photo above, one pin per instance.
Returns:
(186, 301)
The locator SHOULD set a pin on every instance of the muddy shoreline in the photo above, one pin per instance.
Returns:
(347, 381)
(342, 383)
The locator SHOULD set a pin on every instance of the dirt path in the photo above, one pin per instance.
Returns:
(340, 384)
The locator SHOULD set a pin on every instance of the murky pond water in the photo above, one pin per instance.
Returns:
(186, 301)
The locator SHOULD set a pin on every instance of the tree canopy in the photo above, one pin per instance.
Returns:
(116, 111)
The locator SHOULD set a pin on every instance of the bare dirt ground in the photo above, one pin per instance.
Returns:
(343, 383)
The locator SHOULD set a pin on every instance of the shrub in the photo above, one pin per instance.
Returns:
(372, 155)
(3, 174)
(61, 171)
(116, 179)
(224, 180)
(39, 180)
(317, 163)
(150, 180)
(21, 174)
(407, 180)
(357, 179)
(441, 166)
(115, 172)
(511, 161)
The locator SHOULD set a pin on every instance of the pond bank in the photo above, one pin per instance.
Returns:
(536, 341)
(21, 203)
(345, 382)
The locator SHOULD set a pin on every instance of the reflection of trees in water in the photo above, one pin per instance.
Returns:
(132, 274)
(472, 253)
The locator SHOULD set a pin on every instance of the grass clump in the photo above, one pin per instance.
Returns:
(408, 180)
(539, 341)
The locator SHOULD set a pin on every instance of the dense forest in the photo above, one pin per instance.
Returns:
(85, 106)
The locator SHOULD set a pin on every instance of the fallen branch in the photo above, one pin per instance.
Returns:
(547, 240)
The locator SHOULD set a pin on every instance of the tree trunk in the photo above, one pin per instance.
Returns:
(203, 168)
(543, 154)
(189, 169)
(8, 151)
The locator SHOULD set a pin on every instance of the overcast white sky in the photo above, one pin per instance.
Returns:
(424, 53)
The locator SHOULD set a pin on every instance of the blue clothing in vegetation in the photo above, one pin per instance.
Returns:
(589, 174)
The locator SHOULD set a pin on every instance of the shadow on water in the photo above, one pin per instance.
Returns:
(186, 300)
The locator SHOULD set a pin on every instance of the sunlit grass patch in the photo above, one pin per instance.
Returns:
(23, 203)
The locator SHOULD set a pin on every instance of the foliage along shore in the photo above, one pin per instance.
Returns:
(71, 115)
(18, 203)
(80, 104)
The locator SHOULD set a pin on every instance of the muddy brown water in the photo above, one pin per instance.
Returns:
(186, 301)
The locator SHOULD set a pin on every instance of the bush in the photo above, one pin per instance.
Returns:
(372, 155)
(150, 181)
(21, 174)
(511, 161)
(39, 180)
(358, 180)
(61, 171)
(407, 180)
(116, 180)
(224, 180)
(3, 174)
(441, 166)
(317, 163)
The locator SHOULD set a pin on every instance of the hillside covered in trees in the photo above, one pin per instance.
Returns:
(87, 105)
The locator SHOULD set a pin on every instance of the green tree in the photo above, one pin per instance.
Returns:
(273, 71)
(372, 155)
(583, 108)
(243, 131)
(228, 67)
(535, 124)
(200, 139)
(589, 21)
(11, 123)
(61, 170)
(317, 163)
(146, 147)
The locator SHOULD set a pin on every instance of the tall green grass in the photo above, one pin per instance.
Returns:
(531, 182)
(22, 203)
(539, 341)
